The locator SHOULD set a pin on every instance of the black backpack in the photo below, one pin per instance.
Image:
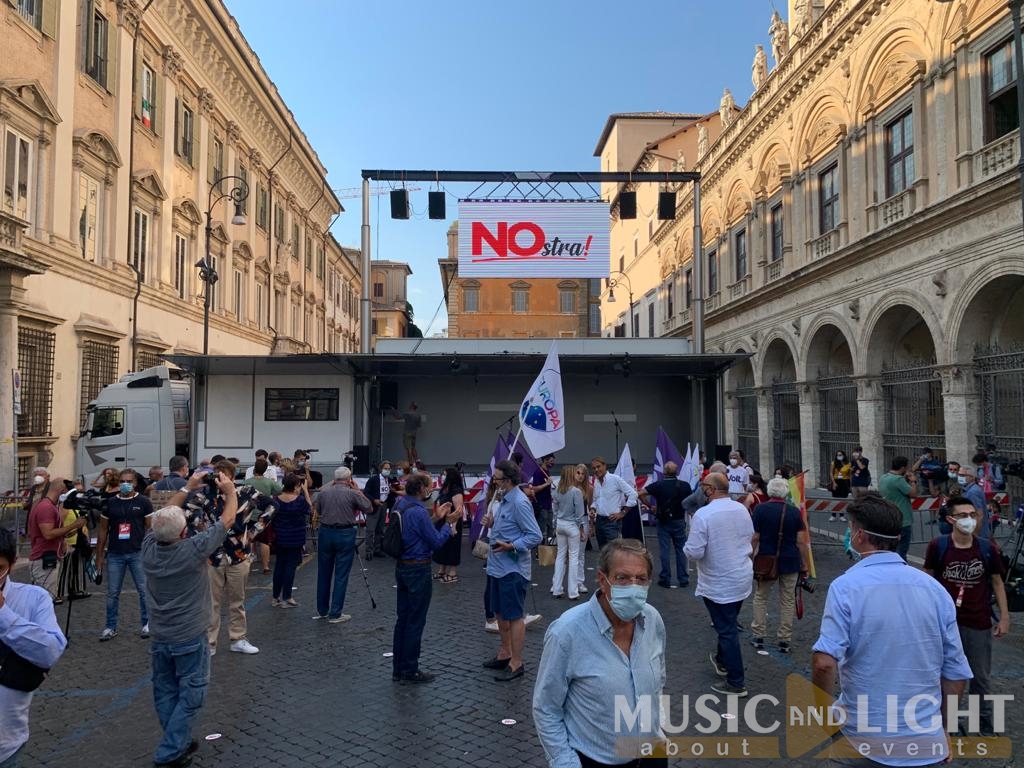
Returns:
(392, 540)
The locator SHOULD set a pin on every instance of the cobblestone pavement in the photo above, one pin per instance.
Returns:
(321, 695)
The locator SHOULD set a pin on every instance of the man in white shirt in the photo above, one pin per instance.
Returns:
(720, 544)
(28, 629)
(739, 476)
(612, 497)
(273, 471)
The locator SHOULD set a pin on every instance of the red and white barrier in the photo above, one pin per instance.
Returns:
(924, 503)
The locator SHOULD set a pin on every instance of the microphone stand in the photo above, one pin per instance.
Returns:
(618, 431)
(508, 421)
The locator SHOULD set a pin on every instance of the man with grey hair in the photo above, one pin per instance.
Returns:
(179, 601)
(335, 510)
(779, 530)
(668, 494)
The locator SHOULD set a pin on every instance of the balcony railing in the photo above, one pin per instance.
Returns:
(739, 288)
(774, 271)
(997, 156)
(711, 302)
(823, 246)
(896, 208)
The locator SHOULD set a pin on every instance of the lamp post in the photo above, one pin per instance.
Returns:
(613, 283)
(238, 193)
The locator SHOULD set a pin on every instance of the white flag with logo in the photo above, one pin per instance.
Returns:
(624, 468)
(542, 415)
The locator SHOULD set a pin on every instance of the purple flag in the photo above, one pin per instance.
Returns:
(664, 451)
(480, 498)
(530, 465)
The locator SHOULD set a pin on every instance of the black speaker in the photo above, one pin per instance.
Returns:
(361, 466)
(722, 453)
(387, 395)
(666, 206)
(627, 205)
(435, 205)
(399, 204)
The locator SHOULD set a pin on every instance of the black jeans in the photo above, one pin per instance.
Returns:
(287, 562)
(647, 762)
(414, 592)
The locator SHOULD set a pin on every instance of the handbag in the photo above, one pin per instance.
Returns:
(766, 567)
(482, 547)
(546, 554)
(20, 674)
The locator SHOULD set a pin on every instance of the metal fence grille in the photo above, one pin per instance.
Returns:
(914, 416)
(99, 368)
(786, 425)
(35, 361)
(840, 422)
(24, 467)
(748, 438)
(1000, 373)
(146, 359)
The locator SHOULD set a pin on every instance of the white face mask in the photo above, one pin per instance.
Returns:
(966, 524)
(38, 480)
(734, 462)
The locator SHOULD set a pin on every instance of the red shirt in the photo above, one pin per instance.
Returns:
(43, 511)
(964, 569)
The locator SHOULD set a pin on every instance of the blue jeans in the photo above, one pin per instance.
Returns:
(904, 546)
(12, 761)
(181, 674)
(335, 550)
(414, 592)
(672, 534)
(116, 566)
(607, 530)
(725, 617)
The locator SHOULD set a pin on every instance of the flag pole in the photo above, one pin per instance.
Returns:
(512, 447)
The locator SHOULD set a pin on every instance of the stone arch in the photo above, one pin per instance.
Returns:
(822, 126)
(900, 329)
(890, 67)
(778, 360)
(961, 16)
(741, 375)
(988, 311)
(711, 224)
(739, 201)
(99, 144)
(186, 207)
(775, 164)
(828, 348)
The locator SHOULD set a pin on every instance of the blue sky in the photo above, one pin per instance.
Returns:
(466, 85)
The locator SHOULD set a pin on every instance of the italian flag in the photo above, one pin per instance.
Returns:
(798, 498)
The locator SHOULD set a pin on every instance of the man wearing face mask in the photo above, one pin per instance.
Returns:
(46, 532)
(972, 571)
(118, 543)
(28, 628)
(618, 633)
(860, 472)
(178, 592)
(739, 476)
(720, 543)
(888, 630)
(378, 491)
(970, 490)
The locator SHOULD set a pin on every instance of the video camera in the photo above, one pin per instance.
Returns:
(90, 504)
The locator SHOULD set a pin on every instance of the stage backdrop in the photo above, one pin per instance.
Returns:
(532, 239)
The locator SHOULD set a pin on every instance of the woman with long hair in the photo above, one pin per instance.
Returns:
(581, 479)
(290, 519)
(758, 494)
(449, 556)
(569, 512)
(840, 480)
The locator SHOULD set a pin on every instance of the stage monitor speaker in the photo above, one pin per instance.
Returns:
(388, 395)
(666, 206)
(399, 204)
(435, 205)
(722, 453)
(361, 466)
(627, 205)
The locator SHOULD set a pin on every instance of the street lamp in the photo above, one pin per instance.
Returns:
(612, 284)
(1018, 56)
(207, 273)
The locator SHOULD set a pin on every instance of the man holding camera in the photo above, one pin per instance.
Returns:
(179, 598)
(30, 643)
(122, 526)
(46, 532)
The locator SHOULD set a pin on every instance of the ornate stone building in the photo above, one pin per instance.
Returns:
(118, 126)
(862, 236)
(495, 308)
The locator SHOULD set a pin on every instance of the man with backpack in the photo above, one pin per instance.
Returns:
(668, 494)
(971, 569)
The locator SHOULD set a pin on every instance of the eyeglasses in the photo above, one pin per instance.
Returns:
(961, 515)
(621, 580)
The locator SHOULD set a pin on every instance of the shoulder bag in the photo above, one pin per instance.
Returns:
(766, 567)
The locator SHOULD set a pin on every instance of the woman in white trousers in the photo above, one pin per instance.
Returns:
(570, 514)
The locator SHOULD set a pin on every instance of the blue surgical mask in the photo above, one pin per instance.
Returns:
(849, 546)
(126, 487)
(962, 481)
(386, 472)
(628, 601)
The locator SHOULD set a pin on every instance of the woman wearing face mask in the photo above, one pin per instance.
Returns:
(840, 480)
(604, 633)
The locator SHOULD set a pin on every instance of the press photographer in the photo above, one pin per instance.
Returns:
(178, 595)
(46, 532)
(30, 644)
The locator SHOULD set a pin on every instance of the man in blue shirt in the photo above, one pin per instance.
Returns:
(513, 534)
(888, 629)
(973, 492)
(610, 650)
(28, 627)
(420, 539)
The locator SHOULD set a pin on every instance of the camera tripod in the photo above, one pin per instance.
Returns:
(71, 581)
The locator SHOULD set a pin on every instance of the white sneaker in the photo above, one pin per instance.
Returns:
(531, 617)
(213, 651)
(583, 589)
(108, 634)
(491, 626)
(340, 619)
(244, 646)
(144, 632)
(842, 518)
(833, 518)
